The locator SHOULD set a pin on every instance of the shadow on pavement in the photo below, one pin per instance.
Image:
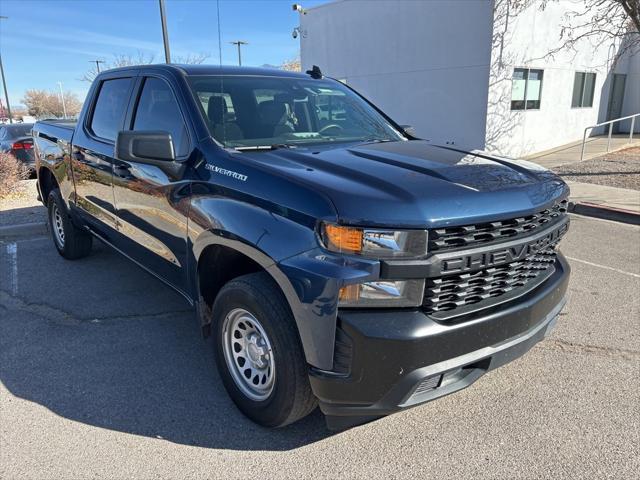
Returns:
(99, 341)
(20, 215)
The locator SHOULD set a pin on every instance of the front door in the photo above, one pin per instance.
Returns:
(152, 202)
(93, 154)
(616, 97)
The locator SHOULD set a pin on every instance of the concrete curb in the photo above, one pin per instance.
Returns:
(607, 213)
(23, 230)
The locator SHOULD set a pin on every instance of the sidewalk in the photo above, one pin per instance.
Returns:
(620, 204)
(570, 153)
(23, 214)
(613, 203)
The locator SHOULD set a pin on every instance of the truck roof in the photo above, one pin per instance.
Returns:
(213, 70)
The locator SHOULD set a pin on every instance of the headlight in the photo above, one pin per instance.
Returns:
(378, 244)
(382, 293)
(374, 243)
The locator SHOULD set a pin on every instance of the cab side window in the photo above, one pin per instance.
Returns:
(110, 106)
(158, 110)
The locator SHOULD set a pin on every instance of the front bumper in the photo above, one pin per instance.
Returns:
(399, 359)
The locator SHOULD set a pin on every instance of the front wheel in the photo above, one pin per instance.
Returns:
(258, 352)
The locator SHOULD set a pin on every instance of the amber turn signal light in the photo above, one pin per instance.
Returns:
(349, 294)
(342, 239)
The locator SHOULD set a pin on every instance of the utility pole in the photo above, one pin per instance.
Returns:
(165, 34)
(64, 107)
(4, 82)
(239, 43)
(97, 62)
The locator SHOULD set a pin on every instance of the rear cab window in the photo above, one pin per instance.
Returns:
(109, 109)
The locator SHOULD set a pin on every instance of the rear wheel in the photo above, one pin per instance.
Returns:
(258, 352)
(71, 242)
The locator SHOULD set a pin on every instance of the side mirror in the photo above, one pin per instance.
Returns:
(409, 130)
(145, 147)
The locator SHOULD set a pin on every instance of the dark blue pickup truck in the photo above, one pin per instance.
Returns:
(335, 258)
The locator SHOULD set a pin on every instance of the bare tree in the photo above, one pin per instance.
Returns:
(500, 122)
(292, 65)
(602, 23)
(42, 103)
(192, 58)
(125, 60)
(587, 24)
(120, 60)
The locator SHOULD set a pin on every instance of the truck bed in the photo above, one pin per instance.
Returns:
(55, 129)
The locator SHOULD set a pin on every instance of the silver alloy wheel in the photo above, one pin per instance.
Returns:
(248, 354)
(57, 225)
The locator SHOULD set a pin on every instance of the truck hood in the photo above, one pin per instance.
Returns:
(416, 183)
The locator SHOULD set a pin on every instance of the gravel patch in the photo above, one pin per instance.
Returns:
(616, 169)
(22, 207)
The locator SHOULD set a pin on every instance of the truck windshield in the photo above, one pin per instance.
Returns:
(270, 112)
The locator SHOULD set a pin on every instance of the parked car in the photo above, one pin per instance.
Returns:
(15, 138)
(336, 259)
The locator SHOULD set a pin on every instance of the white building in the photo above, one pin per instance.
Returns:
(459, 70)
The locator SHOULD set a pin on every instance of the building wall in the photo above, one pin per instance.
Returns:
(523, 39)
(631, 104)
(424, 63)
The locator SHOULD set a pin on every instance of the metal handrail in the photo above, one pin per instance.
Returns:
(610, 123)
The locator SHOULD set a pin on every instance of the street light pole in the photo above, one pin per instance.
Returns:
(4, 82)
(64, 107)
(165, 34)
(239, 43)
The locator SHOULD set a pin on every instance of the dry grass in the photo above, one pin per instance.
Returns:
(12, 172)
(616, 169)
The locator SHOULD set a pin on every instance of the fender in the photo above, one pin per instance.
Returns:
(308, 276)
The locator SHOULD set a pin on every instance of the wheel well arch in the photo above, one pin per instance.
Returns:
(220, 259)
(47, 182)
(218, 265)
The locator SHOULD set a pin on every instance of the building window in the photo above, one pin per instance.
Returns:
(526, 89)
(584, 85)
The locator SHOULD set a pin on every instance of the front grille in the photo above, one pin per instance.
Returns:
(457, 294)
(494, 232)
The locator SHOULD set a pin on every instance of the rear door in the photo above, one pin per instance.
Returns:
(152, 202)
(93, 151)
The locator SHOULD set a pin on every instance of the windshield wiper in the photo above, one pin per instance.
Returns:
(377, 140)
(254, 148)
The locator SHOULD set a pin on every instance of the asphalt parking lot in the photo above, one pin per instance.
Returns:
(103, 373)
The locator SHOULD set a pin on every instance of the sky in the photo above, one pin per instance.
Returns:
(48, 41)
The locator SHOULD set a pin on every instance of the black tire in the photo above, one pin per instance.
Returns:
(291, 397)
(70, 241)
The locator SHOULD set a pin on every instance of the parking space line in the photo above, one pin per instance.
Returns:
(23, 240)
(604, 266)
(12, 255)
